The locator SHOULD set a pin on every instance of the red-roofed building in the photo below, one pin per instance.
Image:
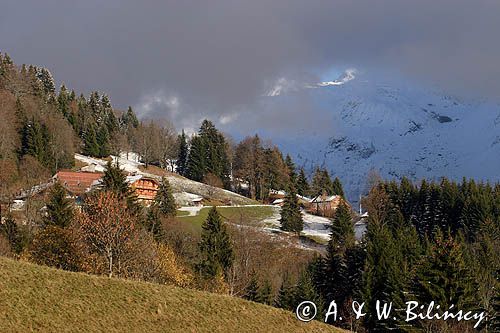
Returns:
(77, 183)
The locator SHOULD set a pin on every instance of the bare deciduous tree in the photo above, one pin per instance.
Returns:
(107, 227)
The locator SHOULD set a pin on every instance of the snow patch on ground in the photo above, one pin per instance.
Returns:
(193, 210)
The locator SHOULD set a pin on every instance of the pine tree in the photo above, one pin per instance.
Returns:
(63, 101)
(382, 277)
(11, 231)
(60, 211)
(182, 157)
(47, 81)
(164, 199)
(90, 144)
(306, 291)
(196, 165)
(342, 231)
(285, 298)
(292, 174)
(110, 120)
(252, 289)
(114, 180)
(443, 277)
(291, 216)
(129, 119)
(302, 184)
(216, 250)
(102, 139)
(321, 183)
(265, 294)
(337, 188)
(152, 222)
(208, 154)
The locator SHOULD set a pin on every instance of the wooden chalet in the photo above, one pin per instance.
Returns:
(144, 187)
(324, 205)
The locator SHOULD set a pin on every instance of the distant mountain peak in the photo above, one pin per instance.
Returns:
(283, 86)
(348, 75)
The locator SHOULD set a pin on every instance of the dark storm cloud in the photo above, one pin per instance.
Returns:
(191, 59)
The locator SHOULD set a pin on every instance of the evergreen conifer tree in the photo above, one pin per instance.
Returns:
(337, 188)
(286, 294)
(102, 139)
(164, 199)
(91, 145)
(342, 231)
(129, 119)
(60, 211)
(208, 154)
(291, 216)
(152, 222)
(302, 183)
(442, 276)
(252, 289)
(292, 173)
(196, 165)
(216, 250)
(182, 157)
(265, 294)
(382, 277)
(11, 231)
(115, 180)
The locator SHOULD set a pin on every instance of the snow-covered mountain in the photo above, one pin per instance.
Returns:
(399, 129)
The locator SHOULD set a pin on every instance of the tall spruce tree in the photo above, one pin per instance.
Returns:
(252, 289)
(285, 299)
(164, 199)
(114, 180)
(90, 142)
(337, 188)
(336, 269)
(60, 211)
(208, 154)
(11, 231)
(196, 165)
(382, 278)
(342, 230)
(291, 216)
(265, 294)
(443, 276)
(302, 183)
(182, 156)
(306, 291)
(292, 173)
(216, 249)
(321, 183)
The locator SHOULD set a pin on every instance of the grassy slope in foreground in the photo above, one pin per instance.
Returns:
(44, 299)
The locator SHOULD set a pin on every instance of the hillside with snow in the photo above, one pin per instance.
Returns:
(185, 190)
(397, 128)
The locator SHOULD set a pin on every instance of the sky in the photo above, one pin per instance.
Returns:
(187, 60)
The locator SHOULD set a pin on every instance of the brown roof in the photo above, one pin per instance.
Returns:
(77, 182)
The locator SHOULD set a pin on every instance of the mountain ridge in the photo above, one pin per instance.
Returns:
(398, 129)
